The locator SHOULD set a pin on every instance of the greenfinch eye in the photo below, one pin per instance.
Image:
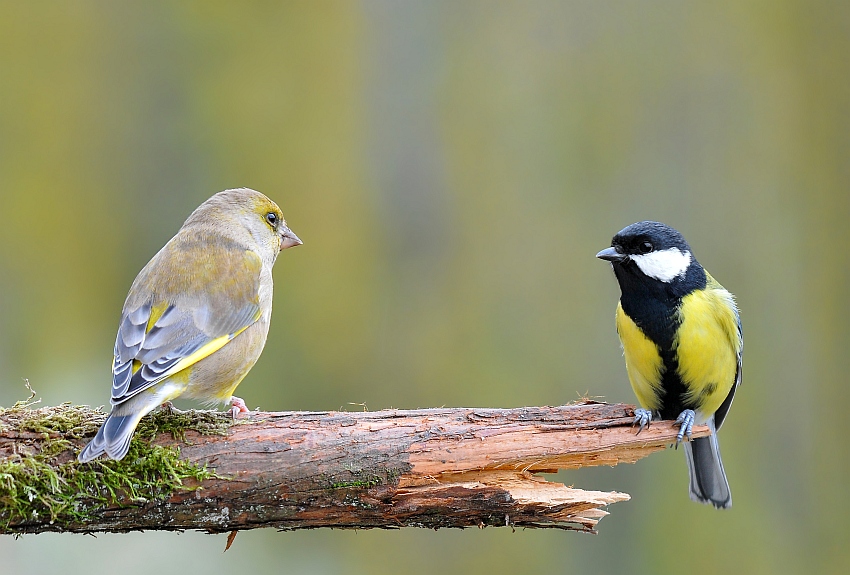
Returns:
(645, 247)
(271, 218)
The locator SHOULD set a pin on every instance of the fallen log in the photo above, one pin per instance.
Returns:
(446, 467)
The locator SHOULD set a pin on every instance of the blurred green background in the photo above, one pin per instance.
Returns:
(452, 168)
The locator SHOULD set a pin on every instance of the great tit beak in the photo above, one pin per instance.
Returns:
(612, 255)
(288, 238)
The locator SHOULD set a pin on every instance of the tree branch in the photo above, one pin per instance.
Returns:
(448, 467)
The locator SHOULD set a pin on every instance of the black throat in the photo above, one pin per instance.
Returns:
(654, 307)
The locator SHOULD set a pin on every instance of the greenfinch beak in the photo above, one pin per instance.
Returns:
(288, 239)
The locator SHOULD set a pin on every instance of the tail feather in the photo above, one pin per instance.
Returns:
(113, 437)
(708, 483)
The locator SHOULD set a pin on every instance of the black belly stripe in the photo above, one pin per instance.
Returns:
(656, 314)
(654, 307)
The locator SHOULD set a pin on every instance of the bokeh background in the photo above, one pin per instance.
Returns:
(452, 167)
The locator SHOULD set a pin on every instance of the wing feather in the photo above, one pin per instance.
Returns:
(721, 412)
(149, 349)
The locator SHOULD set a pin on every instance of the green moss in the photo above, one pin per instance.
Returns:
(366, 480)
(42, 480)
(366, 483)
(177, 423)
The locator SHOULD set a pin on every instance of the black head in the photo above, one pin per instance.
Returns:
(651, 252)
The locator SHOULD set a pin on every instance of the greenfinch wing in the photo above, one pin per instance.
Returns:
(160, 336)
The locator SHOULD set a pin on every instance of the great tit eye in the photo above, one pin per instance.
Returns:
(645, 247)
(271, 218)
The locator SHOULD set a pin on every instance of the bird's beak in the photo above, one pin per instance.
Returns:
(288, 239)
(612, 255)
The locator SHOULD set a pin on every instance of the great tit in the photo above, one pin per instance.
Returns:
(682, 341)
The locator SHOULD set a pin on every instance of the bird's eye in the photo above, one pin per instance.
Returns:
(271, 218)
(645, 247)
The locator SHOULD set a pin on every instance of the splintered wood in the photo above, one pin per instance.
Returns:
(447, 467)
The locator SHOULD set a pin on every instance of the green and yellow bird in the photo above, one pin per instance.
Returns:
(682, 341)
(197, 315)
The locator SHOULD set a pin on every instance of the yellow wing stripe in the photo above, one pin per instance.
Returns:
(156, 313)
(205, 351)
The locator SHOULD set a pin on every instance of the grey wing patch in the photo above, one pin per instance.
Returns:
(144, 360)
(222, 324)
(148, 361)
(721, 412)
(128, 342)
(131, 332)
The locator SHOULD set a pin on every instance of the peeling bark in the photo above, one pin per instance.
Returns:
(447, 467)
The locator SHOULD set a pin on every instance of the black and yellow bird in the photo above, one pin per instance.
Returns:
(682, 341)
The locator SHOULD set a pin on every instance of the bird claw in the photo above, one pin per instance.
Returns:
(686, 424)
(642, 417)
(238, 406)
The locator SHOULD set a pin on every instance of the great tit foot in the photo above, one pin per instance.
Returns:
(238, 406)
(643, 417)
(686, 424)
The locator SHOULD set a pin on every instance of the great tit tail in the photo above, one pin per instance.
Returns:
(708, 482)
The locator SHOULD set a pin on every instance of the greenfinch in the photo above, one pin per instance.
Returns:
(197, 315)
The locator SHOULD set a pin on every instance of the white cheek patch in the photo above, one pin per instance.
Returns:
(663, 265)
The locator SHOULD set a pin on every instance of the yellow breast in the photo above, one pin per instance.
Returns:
(707, 345)
(643, 361)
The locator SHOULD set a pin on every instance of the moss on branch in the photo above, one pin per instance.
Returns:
(39, 479)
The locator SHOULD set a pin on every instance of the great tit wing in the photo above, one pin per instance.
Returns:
(721, 412)
(161, 335)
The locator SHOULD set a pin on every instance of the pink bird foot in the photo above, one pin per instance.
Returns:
(238, 407)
